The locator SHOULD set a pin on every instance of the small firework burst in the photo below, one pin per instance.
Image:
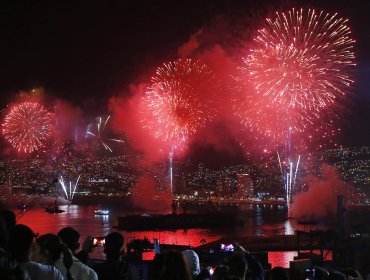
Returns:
(97, 131)
(27, 126)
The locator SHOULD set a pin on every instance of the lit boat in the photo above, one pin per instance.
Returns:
(101, 212)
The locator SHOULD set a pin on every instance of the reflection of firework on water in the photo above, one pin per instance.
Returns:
(69, 189)
(97, 129)
(178, 100)
(27, 126)
(302, 59)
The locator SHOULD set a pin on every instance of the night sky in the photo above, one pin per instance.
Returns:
(87, 51)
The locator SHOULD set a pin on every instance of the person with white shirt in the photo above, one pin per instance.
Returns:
(49, 249)
(20, 248)
(79, 270)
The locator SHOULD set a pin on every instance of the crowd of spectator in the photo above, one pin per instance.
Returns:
(26, 256)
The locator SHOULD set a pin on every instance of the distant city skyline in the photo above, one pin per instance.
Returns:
(119, 175)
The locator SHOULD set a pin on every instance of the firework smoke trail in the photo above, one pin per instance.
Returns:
(27, 126)
(302, 59)
(178, 102)
(97, 131)
(69, 194)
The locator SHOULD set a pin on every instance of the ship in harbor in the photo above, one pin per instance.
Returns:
(177, 221)
(53, 209)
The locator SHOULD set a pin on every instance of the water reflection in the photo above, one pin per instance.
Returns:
(259, 216)
(281, 258)
(288, 227)
(257, 220)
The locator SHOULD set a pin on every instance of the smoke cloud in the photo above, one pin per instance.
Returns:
(69, 119)
(319, 202)
(145, 195)
(127, 115)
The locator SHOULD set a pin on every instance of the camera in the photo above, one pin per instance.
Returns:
(211, 270)
(156, 246)
(98, 241)
(309, 274)
(227, 247)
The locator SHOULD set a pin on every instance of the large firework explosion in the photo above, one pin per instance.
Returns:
(296, 76)
(301, 59)
(179, 100)
(27, 126)
(297, 72)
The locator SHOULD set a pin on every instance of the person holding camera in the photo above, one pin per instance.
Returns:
(70, 237)
(114, 267)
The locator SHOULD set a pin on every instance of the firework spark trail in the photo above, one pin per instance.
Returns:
(171, 169)
(75, 187)
(281, 168)
(302, 59)
(27, 126)
(178, 100)
(290, 179)
(71, 193)
(290, 171)
(296, 169)
(97, 131)
(61, 181)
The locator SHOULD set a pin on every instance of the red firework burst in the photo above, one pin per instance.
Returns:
(27, 126)
(302, 59)
(273, 120)
(299, 70)
(178, 100)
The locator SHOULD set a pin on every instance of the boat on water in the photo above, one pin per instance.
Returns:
(101, 212)
(53, 209)
(177, 221)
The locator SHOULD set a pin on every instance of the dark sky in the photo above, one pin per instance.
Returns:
(86, 51)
